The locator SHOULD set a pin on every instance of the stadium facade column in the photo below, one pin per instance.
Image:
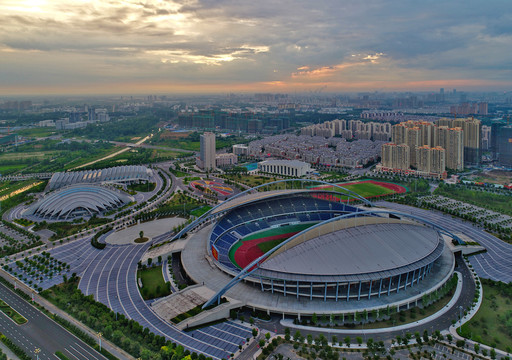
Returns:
(311, 292)
(261, 282)
(272, 285)
(389, 286)
(359, 291)
(406, 280)
(412, 280)
(370, 291)
(337, 288)
(398, 286)
(284, 282)
(348, 291)
(380, 286)
(298, 288)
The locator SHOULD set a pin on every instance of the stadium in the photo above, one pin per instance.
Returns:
(321, 249)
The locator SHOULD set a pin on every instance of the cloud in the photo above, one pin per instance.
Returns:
(265, 43)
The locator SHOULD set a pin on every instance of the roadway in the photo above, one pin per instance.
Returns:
(495, 264)
(111, 278)
(41, 332)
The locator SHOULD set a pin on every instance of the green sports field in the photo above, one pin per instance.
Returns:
(365, 189)
(278, 231)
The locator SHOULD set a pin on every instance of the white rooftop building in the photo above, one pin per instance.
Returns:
(293, 168)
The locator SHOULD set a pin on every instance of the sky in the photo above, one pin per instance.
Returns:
(223, 46)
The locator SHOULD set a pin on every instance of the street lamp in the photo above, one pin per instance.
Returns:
(460, 316)
(100, 334)
(37, 351)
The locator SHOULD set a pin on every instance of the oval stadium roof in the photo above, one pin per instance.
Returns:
(358, 252)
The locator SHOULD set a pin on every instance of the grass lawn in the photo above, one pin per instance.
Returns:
(178, 173)
(13, 314)
(36, 132)
(153, 284)
(250, 180)
(492, 324)
(142, 187)
(9, 169)
(200, 211)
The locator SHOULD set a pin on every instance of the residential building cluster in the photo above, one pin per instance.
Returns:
(481, 108)
(397, 116)
(351, 129)
(428, 149)
(335, 151)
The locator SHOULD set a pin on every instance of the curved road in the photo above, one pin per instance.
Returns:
(495, 264)
(111, 278)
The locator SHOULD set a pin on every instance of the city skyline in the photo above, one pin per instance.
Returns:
(98, 47)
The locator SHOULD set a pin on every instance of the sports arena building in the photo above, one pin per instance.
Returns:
(305, 251)
(76, 201)
(117, 175)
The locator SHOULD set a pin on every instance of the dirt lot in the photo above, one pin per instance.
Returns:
(169, 135)
(494, 177)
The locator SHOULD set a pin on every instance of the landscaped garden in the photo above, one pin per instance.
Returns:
(11, 313)
(153, 283)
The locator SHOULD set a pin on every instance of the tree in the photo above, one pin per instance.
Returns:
(141, 234)
(150, 260)
(347, 341)
(359, 340)
(477, 348)
(267, 336)
(297, 336)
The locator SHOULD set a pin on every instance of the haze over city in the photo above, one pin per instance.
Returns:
(101, 47)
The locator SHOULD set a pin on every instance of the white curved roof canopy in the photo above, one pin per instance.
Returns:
(77, 200)
(116, 174)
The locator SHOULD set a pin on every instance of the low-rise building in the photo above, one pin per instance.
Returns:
(225, 160)
(293, 168)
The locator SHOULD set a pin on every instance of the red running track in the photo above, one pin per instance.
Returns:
(249, 250)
